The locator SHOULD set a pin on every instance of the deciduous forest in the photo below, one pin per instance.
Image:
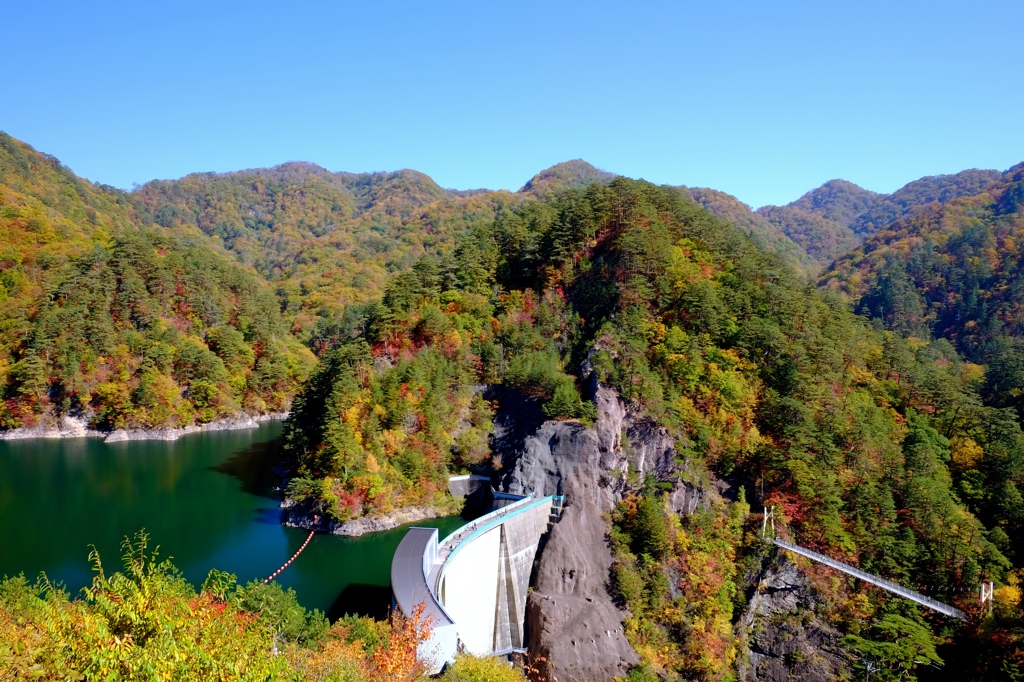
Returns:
(854, 360)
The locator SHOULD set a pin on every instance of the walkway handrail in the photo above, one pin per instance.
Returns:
(480, 520)
(477, 527)
(904, 592)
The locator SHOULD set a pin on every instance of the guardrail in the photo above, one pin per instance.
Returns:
(890, 586)
(445, 547)
(454, 542)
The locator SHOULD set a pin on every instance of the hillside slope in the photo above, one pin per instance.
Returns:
(837, 200)
(834, 218)
(566, 175)
(949, 269)
(822, 239)
(754, 377)
(689, 369)
(125, 324)
(326, 240)
(763, 231)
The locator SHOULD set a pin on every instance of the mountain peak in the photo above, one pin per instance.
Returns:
(566, 175)
(838, 200)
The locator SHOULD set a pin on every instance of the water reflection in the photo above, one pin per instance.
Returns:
(362, 600)
(206, 499)
(253, 467)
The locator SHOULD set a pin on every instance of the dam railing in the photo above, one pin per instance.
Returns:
(451, 544)
(421, 562)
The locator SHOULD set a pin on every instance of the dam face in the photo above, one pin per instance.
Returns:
(474, 583)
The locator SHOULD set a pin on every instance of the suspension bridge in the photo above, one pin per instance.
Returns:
(888, 585)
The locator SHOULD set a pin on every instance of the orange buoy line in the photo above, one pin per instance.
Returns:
(294, 556)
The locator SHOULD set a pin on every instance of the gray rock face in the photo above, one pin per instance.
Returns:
(359, 526)
(78, 427)
(547, 461)
(240, 421)
(66, 427)
(573, 623)
(786, 640)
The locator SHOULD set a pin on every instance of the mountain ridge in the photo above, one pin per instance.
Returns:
(838, 215)
(399, 300)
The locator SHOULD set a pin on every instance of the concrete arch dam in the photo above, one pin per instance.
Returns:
(474, 582)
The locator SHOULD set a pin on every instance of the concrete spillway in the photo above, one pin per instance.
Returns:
(473, 583)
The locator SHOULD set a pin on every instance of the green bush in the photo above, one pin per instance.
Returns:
(473, 669)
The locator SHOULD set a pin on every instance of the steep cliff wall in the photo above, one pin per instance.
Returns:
(573, 623)
(786, 637)
(574, 626)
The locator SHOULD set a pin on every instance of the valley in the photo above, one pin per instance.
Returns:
(669, 358)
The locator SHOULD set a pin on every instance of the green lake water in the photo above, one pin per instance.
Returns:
(207, 499)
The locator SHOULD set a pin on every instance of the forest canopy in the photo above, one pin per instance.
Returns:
(878, 412)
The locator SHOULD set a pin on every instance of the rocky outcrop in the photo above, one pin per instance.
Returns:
(575, 626)
(240, 420)
(65, 427)
(785, 637)
(297, 517)
(78, 427)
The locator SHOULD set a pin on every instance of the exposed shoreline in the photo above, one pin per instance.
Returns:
(361, 525)
(77, 427)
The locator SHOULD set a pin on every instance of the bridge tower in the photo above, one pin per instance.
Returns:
(987, 594)
(769, 518)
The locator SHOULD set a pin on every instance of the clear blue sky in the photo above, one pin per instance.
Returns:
(764, 100)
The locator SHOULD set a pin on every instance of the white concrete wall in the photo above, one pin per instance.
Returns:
(469, 591)
(439, 649)
(522, 535)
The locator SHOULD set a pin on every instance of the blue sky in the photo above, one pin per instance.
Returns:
(764, 100)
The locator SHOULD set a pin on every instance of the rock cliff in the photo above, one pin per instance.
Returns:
(239, 421)
(297, 516)
(78, 427)
(575, 626)
(786, 638)
(65, 427)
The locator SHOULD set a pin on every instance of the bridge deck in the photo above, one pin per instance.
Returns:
(904, 592)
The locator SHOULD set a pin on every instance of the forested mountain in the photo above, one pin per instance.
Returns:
(325, 237)
(886, 448)
(566, 175)
(928, 190)
(837, 200)
(821, 238)
(834, 218)
(330, 239)
(756, 226)
(869, 443)
(950, 270)
(127, 324)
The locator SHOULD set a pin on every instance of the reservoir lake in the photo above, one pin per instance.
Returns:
(207, 500)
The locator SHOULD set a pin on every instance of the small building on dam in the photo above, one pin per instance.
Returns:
(474, 582)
